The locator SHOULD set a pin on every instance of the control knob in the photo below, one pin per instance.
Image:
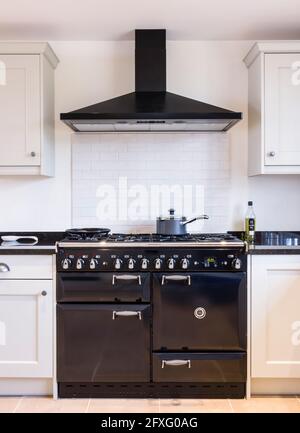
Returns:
(118, 264)
(237, 264)
(171, 263)
(131, 263)
(157, 263)
(145, 263)
(79, 263)
(185, 263)
(66, 263)
(93, 263)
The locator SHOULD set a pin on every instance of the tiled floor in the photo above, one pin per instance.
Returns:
(44, 404)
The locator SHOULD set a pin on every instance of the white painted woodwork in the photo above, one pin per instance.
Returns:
(20, 125)
(26, 340)
(27, 267)
(27, 109)
(282, 109)
(275, 316)
(25, 386)
(274, 106)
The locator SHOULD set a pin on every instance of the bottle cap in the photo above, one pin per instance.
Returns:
(250, 203)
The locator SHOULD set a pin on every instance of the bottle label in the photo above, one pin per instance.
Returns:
(251, 226)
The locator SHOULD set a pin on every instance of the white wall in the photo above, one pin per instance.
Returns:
(192, 167)
(92, 71)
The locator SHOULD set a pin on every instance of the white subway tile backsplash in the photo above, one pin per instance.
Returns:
(146, 160)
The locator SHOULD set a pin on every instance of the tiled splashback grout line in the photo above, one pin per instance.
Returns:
(150, 159)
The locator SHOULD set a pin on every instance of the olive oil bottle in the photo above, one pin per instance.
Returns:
(250, 223)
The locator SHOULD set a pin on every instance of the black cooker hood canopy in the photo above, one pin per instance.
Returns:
(151, 107)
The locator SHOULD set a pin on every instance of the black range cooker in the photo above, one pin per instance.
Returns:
(151, 316)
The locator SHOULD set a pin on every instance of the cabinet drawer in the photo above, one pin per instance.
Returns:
(25, 267)
(103, 287)
(199, 367)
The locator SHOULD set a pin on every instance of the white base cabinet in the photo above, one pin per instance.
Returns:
(26, 319)
(275, 316)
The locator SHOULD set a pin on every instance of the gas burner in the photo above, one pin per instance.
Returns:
(131, 238)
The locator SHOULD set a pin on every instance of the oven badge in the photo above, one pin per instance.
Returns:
(200, 313)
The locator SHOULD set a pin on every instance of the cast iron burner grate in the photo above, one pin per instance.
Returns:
(92, 236)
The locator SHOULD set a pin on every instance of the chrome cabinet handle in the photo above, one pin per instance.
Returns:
(44, 293)
(126, 314)
(4, 267)
(272, 153)
(176, 278)
(176, 362)
(126, 277)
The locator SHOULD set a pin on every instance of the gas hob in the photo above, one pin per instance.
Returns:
(95, 252)
(150, 240)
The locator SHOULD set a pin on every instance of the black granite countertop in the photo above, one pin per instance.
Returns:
(266, 242)
(273, 242)
(44, 245)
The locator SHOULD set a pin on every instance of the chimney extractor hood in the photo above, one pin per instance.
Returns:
(151, 107)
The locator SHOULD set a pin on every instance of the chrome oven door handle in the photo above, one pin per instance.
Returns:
(176, 278)
(126, 314)
(176, 363)
(4, 267)
(126, 277)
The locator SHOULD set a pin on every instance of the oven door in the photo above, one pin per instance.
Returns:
(103, 343)
(200, 311)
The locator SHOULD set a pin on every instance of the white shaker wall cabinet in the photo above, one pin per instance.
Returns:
(27, 108)
(26, 319)
(275, 316)
(274, 108)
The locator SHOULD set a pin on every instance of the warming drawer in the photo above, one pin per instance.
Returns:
(103, 287)
(199, 367)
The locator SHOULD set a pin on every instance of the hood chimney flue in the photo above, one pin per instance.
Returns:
(150, 60)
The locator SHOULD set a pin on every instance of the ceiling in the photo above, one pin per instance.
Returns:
(116, 19)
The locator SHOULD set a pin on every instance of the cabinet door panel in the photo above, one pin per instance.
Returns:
(276, 316)
(25, 328)
(282, 109)
(20, 107)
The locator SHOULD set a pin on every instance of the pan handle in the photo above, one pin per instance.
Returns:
(200, 217)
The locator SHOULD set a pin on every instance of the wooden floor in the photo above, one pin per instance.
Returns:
(46, 404)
